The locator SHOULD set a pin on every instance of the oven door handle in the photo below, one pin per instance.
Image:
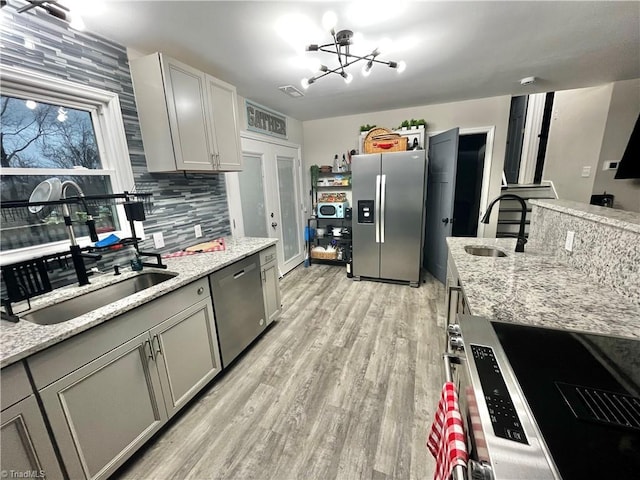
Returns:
(459, 472)
(448, 360)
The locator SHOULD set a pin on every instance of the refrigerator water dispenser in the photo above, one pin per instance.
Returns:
(365, 211)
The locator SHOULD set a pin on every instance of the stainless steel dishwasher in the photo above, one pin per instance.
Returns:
(238, 305)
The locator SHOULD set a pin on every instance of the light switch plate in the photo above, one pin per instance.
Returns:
(158, 240)
(568, 243)
(586, 171)
(198, 231)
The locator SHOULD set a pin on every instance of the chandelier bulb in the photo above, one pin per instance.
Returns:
(402, 66)
(347, 77)
(305, 83)
(366, 70)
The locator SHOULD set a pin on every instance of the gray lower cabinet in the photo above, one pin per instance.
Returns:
(105, 410)
(26, 448)
(186, 352)
(108, 390)
(270, 283)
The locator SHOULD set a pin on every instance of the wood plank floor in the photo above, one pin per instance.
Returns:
(343, 386)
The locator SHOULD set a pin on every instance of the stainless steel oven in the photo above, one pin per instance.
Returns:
(541, 403)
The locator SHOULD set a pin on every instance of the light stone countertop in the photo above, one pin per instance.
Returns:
(19, 340)
(533, 288)
(608, 216)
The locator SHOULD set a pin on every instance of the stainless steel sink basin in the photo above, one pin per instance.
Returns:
(74, 307)
(484, 251)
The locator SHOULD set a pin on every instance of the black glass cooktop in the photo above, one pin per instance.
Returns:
(584, 392)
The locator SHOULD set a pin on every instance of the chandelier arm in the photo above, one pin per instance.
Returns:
(380, 61)
(323, 74)
(335, 43)
(368, 57)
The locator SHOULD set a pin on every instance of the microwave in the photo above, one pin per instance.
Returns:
(332, 209)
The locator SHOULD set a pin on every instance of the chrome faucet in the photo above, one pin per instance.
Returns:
(521, 238)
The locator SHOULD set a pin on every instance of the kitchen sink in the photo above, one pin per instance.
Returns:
(74, 307)
(484, 251)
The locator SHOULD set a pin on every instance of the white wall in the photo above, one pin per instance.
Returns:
(326, 137)
(622, 115)
(575, 138)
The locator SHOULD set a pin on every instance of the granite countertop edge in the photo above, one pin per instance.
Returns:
(19, 340)
(608, 216)
(533, 288)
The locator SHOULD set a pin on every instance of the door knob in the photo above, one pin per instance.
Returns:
(274, 224)
(445, 220)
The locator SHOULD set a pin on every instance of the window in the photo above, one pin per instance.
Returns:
(53, 128)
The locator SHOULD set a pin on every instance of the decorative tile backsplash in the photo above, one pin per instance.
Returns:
(606, 246)
(179, 201)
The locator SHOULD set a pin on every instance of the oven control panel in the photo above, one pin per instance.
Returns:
(504, 419)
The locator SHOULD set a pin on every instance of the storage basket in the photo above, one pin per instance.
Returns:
(397, 144)
(324, 255)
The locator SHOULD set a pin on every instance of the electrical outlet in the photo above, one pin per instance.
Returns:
(198, 231)
(586, 171)
(158, 240)
(568, 243)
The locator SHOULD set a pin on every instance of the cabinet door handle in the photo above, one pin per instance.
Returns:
(200, 290)
(157, 339)
(148, 343)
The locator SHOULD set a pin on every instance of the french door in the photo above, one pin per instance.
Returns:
(265, 198)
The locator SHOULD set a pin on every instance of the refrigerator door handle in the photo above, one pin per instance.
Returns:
(376, 217)
(383, 194)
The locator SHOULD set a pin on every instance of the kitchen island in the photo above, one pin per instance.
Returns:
(534, 288)
(593, 286)
(19, 340)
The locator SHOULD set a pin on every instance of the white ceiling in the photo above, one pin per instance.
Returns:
(453, 50)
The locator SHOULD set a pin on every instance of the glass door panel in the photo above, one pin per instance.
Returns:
(288, 207)
(254, 216)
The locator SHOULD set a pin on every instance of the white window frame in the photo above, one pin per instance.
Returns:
(106, 115)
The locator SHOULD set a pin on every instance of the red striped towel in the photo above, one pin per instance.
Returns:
(447, 442)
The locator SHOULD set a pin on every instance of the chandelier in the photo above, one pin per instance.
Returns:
(342, 40)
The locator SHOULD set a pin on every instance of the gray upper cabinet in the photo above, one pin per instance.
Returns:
(223, 107)
(188, 119)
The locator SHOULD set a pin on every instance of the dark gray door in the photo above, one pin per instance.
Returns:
(401, 215)
(515, 136)
(366, 179)
(441, 188)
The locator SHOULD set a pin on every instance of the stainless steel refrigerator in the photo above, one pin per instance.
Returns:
(389, 192)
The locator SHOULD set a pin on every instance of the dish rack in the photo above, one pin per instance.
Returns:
(28, 279)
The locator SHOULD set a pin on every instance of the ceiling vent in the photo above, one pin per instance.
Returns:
(291, 91)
